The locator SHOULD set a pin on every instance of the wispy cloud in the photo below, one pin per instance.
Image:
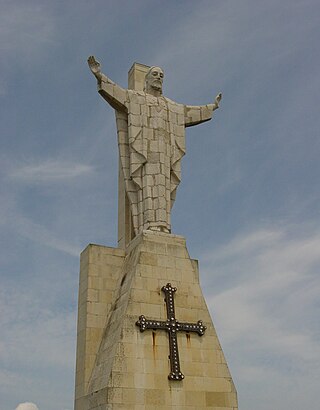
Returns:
(263, 290)
(28, 341)
(44, 181)
(50, 171)
(268, 304)
(38, 338)
(40, 234)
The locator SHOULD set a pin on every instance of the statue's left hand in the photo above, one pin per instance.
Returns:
(218, 99)
(94, 66)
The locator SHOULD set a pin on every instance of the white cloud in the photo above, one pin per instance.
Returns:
(27, 406)
(49, 171)
(272, 295)
(35, 322)
(263, 290)
(245, 244)
(37, 347)
(39, 234)
(51, 175)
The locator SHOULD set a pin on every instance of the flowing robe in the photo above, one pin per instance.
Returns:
(151, 140)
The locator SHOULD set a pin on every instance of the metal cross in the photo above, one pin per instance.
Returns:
(172, 326)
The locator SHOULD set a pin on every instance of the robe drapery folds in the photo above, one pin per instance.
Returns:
(151, 140)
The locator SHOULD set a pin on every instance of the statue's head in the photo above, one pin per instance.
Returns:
(154, 80)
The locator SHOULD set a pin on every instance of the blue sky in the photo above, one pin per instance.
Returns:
(248, 204)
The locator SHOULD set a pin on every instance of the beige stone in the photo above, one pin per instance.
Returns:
(95, 301)
(151, 140)
(120, 367)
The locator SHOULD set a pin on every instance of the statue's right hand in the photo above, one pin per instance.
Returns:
(94, 66)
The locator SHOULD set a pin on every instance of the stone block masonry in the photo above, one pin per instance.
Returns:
(120, 367)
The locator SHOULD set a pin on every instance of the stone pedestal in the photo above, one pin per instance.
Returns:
(120, 367)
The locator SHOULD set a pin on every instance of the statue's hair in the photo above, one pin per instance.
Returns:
(147, 74)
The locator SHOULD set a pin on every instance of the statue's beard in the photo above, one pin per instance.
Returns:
(156, 85)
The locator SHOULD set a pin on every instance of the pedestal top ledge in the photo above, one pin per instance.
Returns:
(156, 237)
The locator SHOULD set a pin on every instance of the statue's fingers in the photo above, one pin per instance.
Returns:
(91, 60)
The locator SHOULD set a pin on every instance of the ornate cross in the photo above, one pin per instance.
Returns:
(172, 326)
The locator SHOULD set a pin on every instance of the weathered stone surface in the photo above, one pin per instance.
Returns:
(100, 269)
(118, 367)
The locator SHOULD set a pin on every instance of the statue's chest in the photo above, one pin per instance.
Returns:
(157, 107)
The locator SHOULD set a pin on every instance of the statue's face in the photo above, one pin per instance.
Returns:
(154, 79)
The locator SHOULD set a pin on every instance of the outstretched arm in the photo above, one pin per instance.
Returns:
(196, 114)
(115, 95)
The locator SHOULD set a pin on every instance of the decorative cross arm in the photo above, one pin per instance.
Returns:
(189, 327)
(145, 324)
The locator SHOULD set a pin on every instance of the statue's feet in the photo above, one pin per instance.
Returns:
(158, 229)
(165, 230)
(154, 229)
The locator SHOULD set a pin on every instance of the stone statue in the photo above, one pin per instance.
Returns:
(151, 138)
